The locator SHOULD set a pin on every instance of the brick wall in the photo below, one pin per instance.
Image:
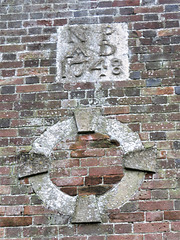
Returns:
(31, 100)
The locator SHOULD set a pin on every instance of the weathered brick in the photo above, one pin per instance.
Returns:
(117, 216)
(15, 221)
(151, 227)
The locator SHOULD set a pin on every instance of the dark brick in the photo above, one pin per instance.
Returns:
(171, 24)
(9, 56)
(126, 11)
(159, 99)
(31, 63)
(176, 145)
(177, 205)
(8, 73)
(35, 200)
(177, 90)
(55, 87)
(171, 8)
(106, 19)
(4, 123)
(35, 31)
(116, 92)
(129, 207)
(157, 136)
(28, 97)
(153, 82)
(175, 40)
(148, 2)
(80, 13)
(53, 70)
(135, 75)
(149, 17)
(78, 94)
(16, 24)
(132, 92)
(96, 190)
(49, 30)
(32, 80)
(177, 162)
(149, 33)
(48, 62)
(8, 90)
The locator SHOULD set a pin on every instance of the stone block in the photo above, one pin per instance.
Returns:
(32, 164)
(86, 119)
(144, 160)
(86, 210)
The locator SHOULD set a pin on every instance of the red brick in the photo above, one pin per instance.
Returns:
(79, 172)
(112, 179)
(4, 170)
(172, 215)
(87, 153)
(123, 228)
(78, 145)
(117, 216)
(12, 48)
(148, 25)
(5, 190)
(171, 236)
(93, 137)
(87, 162)
(78, 238)
(8, 73)
(142, 195)
(151, 9)
(44, 22)
(156, 205)
(2, 233)
(158, 126)
(32, 71)
(154, 216)
(30, 88)
(175, 226)
(15, 221)
(125, 237)
(100, 171)
(115, 110)
(32, 39)
(60, 22)
(96, 238)
(156, 236)
(151, 227)
(9, 114)
(72, 191)
(123, 3)
(15, 200)
(36, 210)
(158, 91)
(72, 181)
(93, 180)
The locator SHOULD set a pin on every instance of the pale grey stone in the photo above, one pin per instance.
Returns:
(31, 164)
(141, 160)
(60, 131)
(52, 196)
(128, 139)
(122, 191)
(87, 210)
(86, 119)
(93, 52)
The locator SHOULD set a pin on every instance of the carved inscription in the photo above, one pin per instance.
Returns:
(92, 53)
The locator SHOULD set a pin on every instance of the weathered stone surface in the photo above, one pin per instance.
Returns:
(122, 192)
(31, 164)
(128, 140)
(97, 52)
(86, 119)
(141, 160)
(59, 131)
(87, 210)
(51, 196)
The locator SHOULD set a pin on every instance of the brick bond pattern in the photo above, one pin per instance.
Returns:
(148, 104)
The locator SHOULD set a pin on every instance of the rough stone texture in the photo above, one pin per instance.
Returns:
(122, 192)
(128, 140)
(46, 142)
(86, 210)
(92, 53)
(31, 164)
(141, 160)
(51, 196)
(87, 119)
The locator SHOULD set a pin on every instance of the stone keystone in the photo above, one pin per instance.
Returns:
(86, 119)
(144, 160)
(86, 210)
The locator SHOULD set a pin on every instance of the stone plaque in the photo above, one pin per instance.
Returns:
(91, 53)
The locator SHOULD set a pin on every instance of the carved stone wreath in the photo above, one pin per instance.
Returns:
(86, 209)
